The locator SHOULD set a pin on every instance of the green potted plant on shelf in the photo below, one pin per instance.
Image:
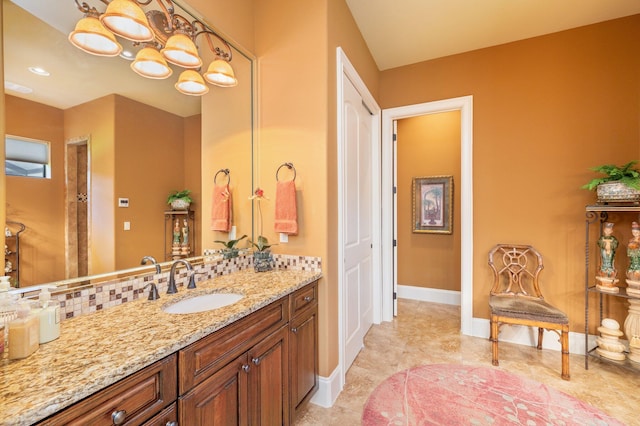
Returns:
(180, 200)
(262, 259)
(619, 183)
(230, 250)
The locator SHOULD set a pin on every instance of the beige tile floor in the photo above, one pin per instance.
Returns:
(429, 333)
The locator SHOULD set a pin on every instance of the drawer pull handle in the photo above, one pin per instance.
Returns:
(294, 330)
(308, 299)
(118, 417)
(256, 361)
(172, 423)
(246, 368)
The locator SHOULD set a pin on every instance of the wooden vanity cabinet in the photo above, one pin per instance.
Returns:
(303, 344)
(132, 401)
(258, 370)
(253, 387)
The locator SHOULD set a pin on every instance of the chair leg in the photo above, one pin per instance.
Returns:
(540, 336)
(494, 340)
(564, 341)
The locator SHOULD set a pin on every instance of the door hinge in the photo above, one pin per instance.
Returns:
(395, 137)
(395, 295)
(395, 190)
(395, 243)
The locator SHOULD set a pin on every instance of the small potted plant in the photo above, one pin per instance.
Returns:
(619, 183)
(262, 259)
(230, 250)
(180, 200)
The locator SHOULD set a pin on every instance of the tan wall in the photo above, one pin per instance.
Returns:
(149, 164)
(37, 203)
(428, 145)
(234, 19)
(96, 119)
(226, 144)
(295, 46)
(545, 110)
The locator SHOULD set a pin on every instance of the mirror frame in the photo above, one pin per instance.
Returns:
(143, 270)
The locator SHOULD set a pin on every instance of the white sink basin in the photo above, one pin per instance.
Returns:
(203, 303)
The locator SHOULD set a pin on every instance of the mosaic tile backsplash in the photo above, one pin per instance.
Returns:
(106, 295)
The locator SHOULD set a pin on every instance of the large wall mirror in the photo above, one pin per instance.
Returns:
(114, 136)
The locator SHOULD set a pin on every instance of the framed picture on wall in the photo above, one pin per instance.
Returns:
(432, 205)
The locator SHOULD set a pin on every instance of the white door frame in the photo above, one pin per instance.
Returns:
(346, 70)
(465, 106)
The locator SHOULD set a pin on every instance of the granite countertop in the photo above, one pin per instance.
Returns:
(96, 350)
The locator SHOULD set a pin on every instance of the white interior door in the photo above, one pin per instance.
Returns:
(357, 229)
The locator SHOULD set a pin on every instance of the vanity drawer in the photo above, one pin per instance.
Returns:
(303, 298)
(206, 356)
(134, 399)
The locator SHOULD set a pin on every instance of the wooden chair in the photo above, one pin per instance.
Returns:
(516, 298)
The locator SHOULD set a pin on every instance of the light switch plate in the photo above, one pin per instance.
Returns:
(232, 233)
(127, 226)
(123, 202)
(284, 238)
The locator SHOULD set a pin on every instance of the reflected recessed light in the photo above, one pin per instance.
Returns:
(39, 71)
(15, 87)
(128, 55)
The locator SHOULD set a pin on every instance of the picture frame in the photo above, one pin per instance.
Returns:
(432, 205)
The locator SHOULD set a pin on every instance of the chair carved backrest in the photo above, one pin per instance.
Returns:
(515, 271)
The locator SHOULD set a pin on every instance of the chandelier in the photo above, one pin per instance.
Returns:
(166, 37)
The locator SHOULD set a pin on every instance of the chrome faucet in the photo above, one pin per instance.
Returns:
(153, 261)
(171, 288)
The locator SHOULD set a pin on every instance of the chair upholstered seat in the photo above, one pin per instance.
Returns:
(527, 309)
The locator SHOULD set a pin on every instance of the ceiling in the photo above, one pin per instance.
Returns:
(403, 32)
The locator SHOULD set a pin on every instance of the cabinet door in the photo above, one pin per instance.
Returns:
(221, 399)
(304, 357)
(269, 380)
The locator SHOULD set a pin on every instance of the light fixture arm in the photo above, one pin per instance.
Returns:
(224, 54)
(89, 10)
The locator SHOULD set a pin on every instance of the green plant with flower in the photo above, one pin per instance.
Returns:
(231, 244)
(261, 244)
(230, 250)
(258, 196)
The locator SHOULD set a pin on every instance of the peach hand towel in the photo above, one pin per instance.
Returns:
(286, 217)
(221, 208)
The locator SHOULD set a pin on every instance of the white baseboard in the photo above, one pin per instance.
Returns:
(447, 297)
(328, 390)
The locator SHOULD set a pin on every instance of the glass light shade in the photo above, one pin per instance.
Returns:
(92, 37)
(126, 19)
(150, 63)
(181, 50)
(221, 74)
(191, 83)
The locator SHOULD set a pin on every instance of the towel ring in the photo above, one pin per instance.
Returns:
(290, 167)
(226, 172)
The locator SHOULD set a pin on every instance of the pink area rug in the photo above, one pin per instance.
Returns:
(450, 394)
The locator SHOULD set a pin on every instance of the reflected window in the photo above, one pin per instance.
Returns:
(27, 157)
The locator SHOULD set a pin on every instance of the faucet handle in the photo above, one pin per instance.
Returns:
(192, 281)
(153, 291)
